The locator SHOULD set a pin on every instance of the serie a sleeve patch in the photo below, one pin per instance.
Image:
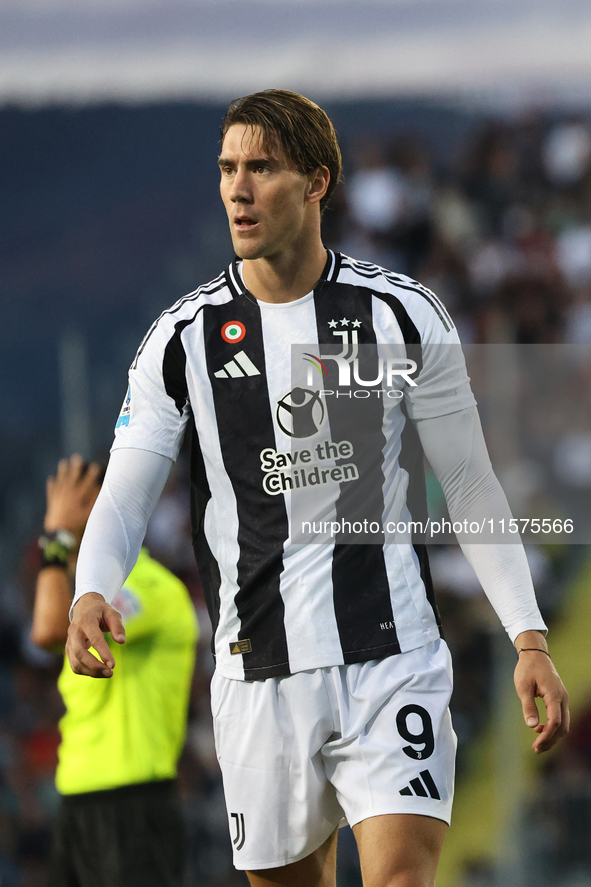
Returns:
(128, 604)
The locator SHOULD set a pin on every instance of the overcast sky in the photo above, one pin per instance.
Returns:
(91, 50)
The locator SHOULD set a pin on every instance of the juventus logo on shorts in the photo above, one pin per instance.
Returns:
(424, 789)
(238, 841)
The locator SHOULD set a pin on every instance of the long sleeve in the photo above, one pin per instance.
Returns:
(455, 447)
(117, 524)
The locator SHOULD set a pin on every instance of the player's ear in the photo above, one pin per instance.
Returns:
(318, 182)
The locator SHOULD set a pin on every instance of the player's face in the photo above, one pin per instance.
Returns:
(264, 195)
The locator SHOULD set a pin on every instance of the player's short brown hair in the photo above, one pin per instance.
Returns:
(296, 124)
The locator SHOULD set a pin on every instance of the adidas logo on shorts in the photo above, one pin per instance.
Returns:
(241, 365)
(422, 789)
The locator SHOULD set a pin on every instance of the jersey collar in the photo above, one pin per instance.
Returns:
(236, 282)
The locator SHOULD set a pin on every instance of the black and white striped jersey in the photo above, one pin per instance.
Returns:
(223, 363)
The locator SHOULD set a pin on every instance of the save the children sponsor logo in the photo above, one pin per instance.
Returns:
(307, 467)
(300, 412)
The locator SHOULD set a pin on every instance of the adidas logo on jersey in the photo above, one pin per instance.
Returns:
(422, 789)
(241, 365)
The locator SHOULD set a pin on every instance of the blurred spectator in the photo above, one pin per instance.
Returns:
(574, 255)
(567, 153)
(388, 197)
(376, 192)
(455, 218)
(491, 174)
(375, 200)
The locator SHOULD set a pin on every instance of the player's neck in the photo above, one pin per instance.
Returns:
(287, 276)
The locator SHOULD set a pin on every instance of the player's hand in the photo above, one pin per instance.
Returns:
(535, 676)
(92, 616)
(71, 495)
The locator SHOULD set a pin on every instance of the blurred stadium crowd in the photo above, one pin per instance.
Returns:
(502, 234)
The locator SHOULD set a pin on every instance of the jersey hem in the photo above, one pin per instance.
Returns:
(335, 658)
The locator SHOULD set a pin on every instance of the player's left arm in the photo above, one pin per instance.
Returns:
(455, 447)
(444, 412)
(536, 676)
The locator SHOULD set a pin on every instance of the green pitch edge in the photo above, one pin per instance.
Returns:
(475, 831)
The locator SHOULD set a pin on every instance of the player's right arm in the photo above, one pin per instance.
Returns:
(91, 617)
(148, 437)
(110, 547)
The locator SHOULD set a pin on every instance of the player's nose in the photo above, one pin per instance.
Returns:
(240, 190)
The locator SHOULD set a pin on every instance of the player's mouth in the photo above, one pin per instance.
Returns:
(244, 223)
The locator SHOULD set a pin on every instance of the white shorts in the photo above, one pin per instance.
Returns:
(299, 753)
